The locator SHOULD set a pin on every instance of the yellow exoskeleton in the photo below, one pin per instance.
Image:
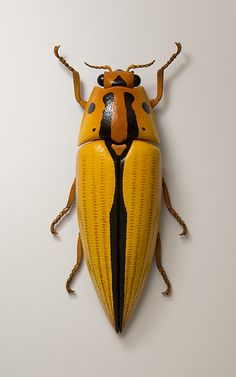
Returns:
(118, 188)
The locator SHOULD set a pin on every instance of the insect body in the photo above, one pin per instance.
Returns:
(118, 188)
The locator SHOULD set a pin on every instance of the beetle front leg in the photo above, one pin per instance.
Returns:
(160, 267)
(171, 209)
(160, 76)
(76, 77)
(76, 266)
(65, 210)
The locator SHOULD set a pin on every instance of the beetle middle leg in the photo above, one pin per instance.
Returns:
(65, 210)
(160, 267)
(76, 266)
(172, 210)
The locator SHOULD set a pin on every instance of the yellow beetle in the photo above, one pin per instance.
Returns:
(118, 188)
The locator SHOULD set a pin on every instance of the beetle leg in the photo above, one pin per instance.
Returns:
(160, 80)
(76, 266)
(76, 77)
(76, 80)
(171, 210)
(160, 76)
(160, 268)
(64, 210)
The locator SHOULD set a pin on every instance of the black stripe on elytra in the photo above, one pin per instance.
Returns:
(118, 224)
(105, 128)
(119, 82)
(132, 132)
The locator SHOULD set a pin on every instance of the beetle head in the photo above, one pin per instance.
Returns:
(119, 77)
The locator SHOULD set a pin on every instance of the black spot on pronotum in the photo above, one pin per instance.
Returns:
(143, 128)
(91, 107)
(146, 107)
(94, 129)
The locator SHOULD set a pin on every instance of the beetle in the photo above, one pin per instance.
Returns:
(118, 188)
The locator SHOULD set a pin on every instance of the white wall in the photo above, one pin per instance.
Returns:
(43, 331)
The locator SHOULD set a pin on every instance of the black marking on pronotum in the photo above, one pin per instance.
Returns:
(118, 224)
(146, 107)
(119, 82)
(132, 131)
(105, 129)
(91, 107)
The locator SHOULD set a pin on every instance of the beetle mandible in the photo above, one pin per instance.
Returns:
(118, 188)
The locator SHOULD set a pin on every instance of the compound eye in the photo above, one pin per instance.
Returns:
(100, 80)
(137, 80)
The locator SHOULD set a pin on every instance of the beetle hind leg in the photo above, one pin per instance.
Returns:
(160, 267)
(76, 266)
(172, 210)
(65, 210)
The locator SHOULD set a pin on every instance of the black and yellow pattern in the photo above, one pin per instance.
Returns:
(118, 206)
(118, 193)
(118, 187)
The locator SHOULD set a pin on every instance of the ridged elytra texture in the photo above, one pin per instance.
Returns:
(95, 196)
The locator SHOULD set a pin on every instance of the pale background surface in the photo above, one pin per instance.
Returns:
(45, 333)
